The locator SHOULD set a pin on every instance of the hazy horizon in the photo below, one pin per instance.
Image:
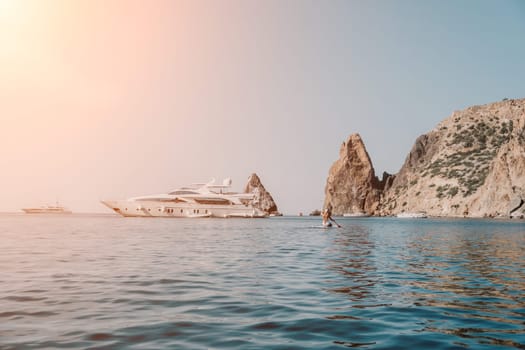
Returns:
(114, 99)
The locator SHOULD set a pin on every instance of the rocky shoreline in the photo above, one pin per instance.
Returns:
(472, 164)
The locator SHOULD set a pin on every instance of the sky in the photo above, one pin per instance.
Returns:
(110, 99)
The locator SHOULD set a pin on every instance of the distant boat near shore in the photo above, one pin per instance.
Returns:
(48, 209)
(356, 215)
(414, 215)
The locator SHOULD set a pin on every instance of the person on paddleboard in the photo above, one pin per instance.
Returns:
(327, 218)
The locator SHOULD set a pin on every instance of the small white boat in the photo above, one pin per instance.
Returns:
(48, 209)
(241, 215)
(414, 215)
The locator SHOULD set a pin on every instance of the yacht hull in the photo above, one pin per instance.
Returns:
(181, 210)
(46, 211)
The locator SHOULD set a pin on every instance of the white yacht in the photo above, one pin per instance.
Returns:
(48, 209)
(195, 201)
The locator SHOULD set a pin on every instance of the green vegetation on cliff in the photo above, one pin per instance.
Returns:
(473, 146)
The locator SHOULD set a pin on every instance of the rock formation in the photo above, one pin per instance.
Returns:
(352, 186)
(471, 164)
(263, 199)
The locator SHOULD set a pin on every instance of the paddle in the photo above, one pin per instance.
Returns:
(335, 222)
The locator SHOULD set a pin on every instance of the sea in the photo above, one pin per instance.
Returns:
(107, 282)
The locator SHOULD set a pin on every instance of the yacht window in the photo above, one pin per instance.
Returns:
(213, 201)
(167, 199)
(183, 192)
(178, 200)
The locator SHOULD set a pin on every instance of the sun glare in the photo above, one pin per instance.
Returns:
(14, 17)
(9, 9)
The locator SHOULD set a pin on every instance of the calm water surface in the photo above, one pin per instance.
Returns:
(88, 282)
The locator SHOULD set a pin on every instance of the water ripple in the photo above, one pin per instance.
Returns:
(107, 283)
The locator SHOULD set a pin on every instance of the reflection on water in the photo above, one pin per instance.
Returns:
(469, 283)
(352, 257)
(113, 283)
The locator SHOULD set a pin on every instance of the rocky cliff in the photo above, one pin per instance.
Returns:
(471, 164)
(263, 199)
(352, 186)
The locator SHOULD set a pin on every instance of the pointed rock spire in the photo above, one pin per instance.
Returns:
(263, 199)
(352, 186)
